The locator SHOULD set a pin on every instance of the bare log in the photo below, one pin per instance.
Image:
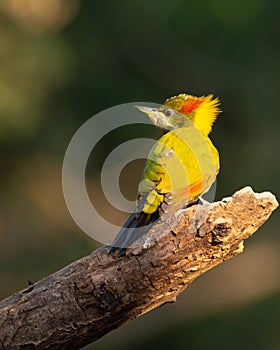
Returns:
(98, 293)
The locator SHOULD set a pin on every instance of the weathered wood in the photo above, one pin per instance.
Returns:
(87, 299)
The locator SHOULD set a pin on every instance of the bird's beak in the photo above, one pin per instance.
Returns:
(156, 116)
(147, 110)
(151, 112)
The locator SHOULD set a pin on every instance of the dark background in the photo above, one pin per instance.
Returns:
(63, 61)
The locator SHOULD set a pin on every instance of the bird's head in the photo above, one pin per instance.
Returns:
(183, 110)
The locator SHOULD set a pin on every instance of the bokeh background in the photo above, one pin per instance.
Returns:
(62, 61)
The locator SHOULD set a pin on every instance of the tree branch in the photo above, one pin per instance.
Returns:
(87, 299)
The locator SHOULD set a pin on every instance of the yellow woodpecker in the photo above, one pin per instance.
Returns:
(181, 166)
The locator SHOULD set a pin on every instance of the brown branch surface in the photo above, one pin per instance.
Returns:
(87, 299)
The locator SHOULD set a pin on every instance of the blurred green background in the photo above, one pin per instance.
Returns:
(62, 61)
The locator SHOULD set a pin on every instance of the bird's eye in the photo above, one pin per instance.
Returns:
(168, 112)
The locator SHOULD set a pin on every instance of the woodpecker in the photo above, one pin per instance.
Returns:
(181, 166)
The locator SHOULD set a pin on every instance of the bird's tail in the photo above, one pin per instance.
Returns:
(134, 228)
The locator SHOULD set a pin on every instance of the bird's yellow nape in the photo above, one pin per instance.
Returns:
(202, 110)
(206, 113)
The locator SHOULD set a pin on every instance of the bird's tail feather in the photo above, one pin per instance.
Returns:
(134, 228)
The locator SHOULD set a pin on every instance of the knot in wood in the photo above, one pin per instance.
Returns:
(221, 231)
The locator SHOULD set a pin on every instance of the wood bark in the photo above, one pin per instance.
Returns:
(98, 293)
